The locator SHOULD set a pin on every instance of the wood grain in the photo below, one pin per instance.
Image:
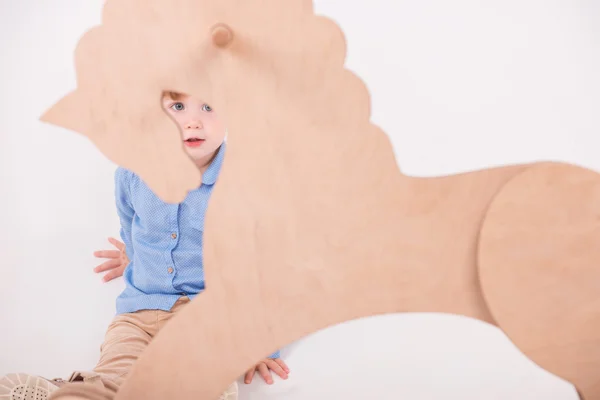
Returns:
(311, 222)
(539, 262)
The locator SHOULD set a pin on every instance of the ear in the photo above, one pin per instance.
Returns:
(67, 113)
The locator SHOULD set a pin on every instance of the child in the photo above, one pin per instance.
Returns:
(162, 252)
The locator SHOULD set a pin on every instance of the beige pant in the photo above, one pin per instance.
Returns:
(126, 338)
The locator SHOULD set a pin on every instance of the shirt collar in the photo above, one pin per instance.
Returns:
(212, 172)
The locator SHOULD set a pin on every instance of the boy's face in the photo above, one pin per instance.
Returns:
(203, 132)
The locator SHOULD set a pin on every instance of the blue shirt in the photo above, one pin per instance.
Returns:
(163, 242)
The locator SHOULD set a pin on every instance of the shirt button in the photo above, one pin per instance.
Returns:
(174, 235)
(170, 270)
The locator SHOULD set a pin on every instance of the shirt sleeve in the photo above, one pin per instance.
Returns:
(125, 209)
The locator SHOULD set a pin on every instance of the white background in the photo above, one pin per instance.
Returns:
(457, 85)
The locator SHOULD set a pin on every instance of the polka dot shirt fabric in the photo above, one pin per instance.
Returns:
(163, 241)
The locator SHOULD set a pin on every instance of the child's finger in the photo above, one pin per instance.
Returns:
(107, 254)
(115, 273)
(117, 243)
(275, 367)
(249, 376)
(282, 364)
(107, 265)
(264, 372)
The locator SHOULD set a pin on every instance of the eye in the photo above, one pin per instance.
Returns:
(178, 106)
(206, 108)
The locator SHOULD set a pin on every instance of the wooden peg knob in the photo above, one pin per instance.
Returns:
(222, 35)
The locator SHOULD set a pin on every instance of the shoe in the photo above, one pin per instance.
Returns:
(27, 387)
(230, 394)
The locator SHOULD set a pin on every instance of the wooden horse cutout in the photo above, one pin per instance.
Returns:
(311, 222)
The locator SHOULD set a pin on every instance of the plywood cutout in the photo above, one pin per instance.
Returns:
(539, 253)
(311, 223)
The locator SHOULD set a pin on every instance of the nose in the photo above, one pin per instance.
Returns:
(197, 124)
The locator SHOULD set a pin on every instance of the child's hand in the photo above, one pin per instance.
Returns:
(265, 366)
(117, 262)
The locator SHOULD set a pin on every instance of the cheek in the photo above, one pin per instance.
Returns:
(215, 127)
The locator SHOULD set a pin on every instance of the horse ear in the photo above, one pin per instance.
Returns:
(68, 113)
